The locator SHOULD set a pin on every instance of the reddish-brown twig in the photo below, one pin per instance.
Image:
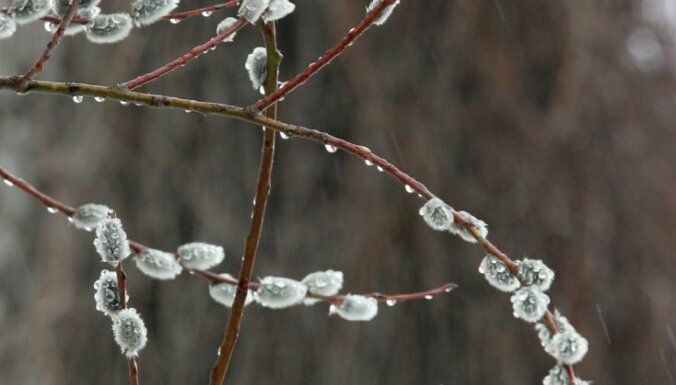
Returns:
(51, 45)
(122, 289)
(183, 60)
(263, 188)
(323, 60)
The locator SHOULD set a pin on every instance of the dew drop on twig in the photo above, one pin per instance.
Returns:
(408, 189)
(124, 103)
(428, 297)
(207, 13)
(330, 148)
(174, 21)
(391, 302)
(380, 169)
(283, 135)
(8, 182)
(78, 99)
(49, 26)
(368, 162)
(52, 210)
(99, 99)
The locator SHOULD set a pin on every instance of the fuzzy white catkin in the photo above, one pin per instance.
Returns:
(252, 10)
(108, 29)
(459, 230)
(327, 282)
(61, 7)
(385, 13)
(88, 216)
(567, 347)
(279, 292)
(107, 293)
(146, 12)
(25, 11)
(436, 214)
(535, 272)
(7, 26)
(224, 293)
(225, 24)
(356, 308)
(498, 275)
(200, 256)
(529, 303)
(277, 10)
(257, 67)
(111, 241)
(562, 324)
(129, 331)
(158, 264)
(558, 376)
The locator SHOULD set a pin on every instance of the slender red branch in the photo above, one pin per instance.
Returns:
(133, 371)
(263, 187)
(183, 60)
(181, 15)
(122, 292)
(51, 45)
(323, 60)
(46, 200)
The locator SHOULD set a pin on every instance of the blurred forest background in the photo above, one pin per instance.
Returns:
(551, 120)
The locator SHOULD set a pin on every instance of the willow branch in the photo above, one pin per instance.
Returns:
(184, 59)
(323, 60)
(51, 45)
(246, 114)
(263, 187)
(122, 292)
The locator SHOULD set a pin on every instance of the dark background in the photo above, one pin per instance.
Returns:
(551, 120)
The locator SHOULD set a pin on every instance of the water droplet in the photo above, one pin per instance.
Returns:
(49, 26)
(331, 148)
(191, 272)
(187, 111)
(283, 135)
(391, 302)
(428, 297)
(379, 169)
(218, 353)
(174, 21)
(368, 162)
(138, 104)
(8, 182)
(52, 210)
(448, 289)
(78, 99)
(207, 13)
(70, 220)
(124, 103)
(99, 99)
(408, 189)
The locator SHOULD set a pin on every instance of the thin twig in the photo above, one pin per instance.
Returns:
(323, 60)
(122, 289)
(51, 45)
(263, 188)
(184, 59)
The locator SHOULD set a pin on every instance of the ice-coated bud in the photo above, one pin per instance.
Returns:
(257, 67)
(7, 26)
(436, 214)
(529, 303)
(567, 347)
(224, 293)
(535, 272)
(277, 10)
(498, 275)
(356, 308)
(327, 282)
(225, 24)
(200, 256)
(460, 231)
(146, 12)
(107, 293)
(129, 331)
(88, 216)
(251, 10)
(562, 324)
(559, 376)
(107, 29)
(158, 264)
(111, 241)
(25, 11)
(385, 13)
(61, 7)
(279, 292)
